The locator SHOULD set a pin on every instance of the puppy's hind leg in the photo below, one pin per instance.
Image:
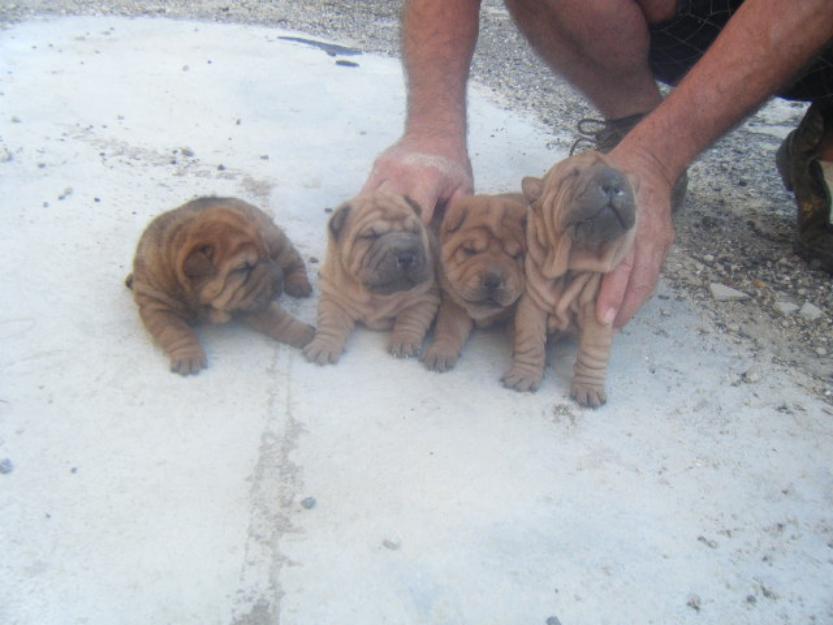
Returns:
(453, 328)
(281, 326)
(410, 328)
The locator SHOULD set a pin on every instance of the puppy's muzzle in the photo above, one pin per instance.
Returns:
(605, 209)
(397, 262)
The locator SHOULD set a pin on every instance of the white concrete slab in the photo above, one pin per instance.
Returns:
(135, 497)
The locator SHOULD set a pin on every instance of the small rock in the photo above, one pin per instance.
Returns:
(15, 119)
(308, 503)
(6, 156)
(67, 192)
(810, 312)
(393, 545)
(313, 260)
(723, 293)
(708, 542)
(553, 620)
(187, 152)
(264, 157)
(708, 258)
(185, 68)
(751, 599)
(221, 167)
(6, 466)
(694, 602)
(821, 351)
(752, 375)
(785, 308)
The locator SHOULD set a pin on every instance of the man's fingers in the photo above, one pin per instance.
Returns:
(612, 292)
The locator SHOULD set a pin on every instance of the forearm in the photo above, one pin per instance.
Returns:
(763, 46)
(438, 42)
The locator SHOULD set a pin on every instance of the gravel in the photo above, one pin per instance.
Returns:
(736, 228)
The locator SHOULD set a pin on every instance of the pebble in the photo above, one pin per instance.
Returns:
(723, 293)
(821, 351)
(694, 602)
(308, 503)
(810, 312)
(553, 620)
(708, 258)
(752, 375)
(6, 466)
(6, 156)
(786, 308)
(393, 545)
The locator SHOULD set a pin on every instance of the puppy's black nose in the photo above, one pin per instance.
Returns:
(406, 259)
(492, 281)
(611, 182)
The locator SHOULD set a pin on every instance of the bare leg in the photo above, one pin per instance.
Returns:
(599, 46)
(453, 328)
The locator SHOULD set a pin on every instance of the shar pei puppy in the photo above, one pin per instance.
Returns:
(378, 271)
(481, 270)
(211, 260)
(581, 224)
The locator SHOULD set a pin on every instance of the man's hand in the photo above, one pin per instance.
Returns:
(631, 284)
(430, 172)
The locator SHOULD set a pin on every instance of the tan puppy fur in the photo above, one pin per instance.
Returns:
(214, 259)
(581, 224)
(379, 271)
(481, 272)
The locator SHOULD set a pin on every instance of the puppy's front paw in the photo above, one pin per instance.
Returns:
(589, 395)
(302, 335)
(522, 379)
(297, 286)
(440, 358)
(403, 347)
(188, 360)
(321, 352)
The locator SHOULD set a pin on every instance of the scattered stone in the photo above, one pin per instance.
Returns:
(553, 620)
(345, 63)
(185, 68)
(723, 293)
(6, 466)
(708, 542)
(187, 152)
(694, 602)
(264, 157)
(708, 258)
(313, 260)
(821, 351)
(393, 545)
(67, 192)
(752, 375)
(786, 308)
(751, 599)
(6, 156)
(810, 312)
(308, 503)
(16, 119)
(221, 167)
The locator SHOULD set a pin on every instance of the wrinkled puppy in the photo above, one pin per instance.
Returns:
(214, 259)
(379, 271)
(581, 224)
(481, 273)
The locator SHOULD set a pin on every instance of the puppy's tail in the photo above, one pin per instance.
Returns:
(128, 281)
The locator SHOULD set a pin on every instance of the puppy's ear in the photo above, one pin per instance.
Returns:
(454, 218)
(413, 204)
(198, 263)
(533, 188)
(337, 221)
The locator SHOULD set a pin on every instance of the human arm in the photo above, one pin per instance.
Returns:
(430, 161)
(761, 48)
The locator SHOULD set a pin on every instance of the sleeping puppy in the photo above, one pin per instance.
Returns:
(379, 270)
(214, 259)
(481, 273)
(581, 224)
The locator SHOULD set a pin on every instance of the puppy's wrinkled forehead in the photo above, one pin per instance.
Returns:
(376, 214)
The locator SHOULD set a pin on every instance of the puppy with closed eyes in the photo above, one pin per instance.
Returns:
(378, 271)
(211, 260)
(581, 225)
(481, 270)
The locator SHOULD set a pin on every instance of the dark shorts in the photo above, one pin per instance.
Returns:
(676, 45)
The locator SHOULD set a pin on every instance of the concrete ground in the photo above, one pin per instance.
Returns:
(267, 490)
